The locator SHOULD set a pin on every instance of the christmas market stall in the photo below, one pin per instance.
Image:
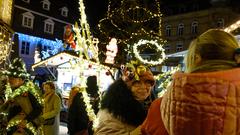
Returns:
(74, 70)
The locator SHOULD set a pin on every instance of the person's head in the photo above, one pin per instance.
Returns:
(213, 44)
(16, 73)
(139, 80)
(74, 91)
(48, 87)
(92, 87)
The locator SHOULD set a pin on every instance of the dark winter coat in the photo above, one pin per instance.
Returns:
(120, 112)
(77, 116)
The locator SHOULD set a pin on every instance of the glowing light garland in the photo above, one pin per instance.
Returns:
(89, 108)
(28, 87)
(56, 45)
(85, 42)
(29, 126)
(120, 12)
(232, 27)
(165, 79)
(5, 43)
(151, 62)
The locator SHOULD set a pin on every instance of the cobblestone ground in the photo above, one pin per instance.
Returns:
(63, 129)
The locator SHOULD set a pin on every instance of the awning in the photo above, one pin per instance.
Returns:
(178, 54)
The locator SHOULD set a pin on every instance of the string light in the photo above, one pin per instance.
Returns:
(129, 20)
(5, 43)
(232, 27)
(84, 38)
(27, 87)
(29, 126)
(6, 11)
(165, 79)
(89, 109)
(153, 42)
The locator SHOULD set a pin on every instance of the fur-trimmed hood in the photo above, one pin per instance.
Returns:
(119, 101)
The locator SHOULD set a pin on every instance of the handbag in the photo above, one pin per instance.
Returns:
(49, 121)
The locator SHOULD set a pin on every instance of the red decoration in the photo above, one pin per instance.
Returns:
(89, 66)
(69, 36)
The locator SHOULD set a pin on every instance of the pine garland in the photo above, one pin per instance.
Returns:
(27, 87)
(10, 94)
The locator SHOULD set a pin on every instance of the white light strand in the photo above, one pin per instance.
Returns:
(153, 42)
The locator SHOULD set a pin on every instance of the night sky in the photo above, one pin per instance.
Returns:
(95, 10)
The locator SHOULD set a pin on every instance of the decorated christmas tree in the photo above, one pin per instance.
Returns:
(136, 24)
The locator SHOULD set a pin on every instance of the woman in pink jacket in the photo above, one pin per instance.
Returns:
(205, 100)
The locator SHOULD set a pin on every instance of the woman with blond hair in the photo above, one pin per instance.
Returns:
(205, 100)
(51, 110)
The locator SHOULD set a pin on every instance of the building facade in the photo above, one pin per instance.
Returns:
(39, 26)
(183, 22)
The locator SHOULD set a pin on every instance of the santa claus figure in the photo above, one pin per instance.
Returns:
(112, 50)
(69, 37)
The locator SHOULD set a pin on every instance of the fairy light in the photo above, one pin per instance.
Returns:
(29, 126)
(152, 42)
(84, 35)
(165, 78)
(89, 109)
(232, 27)
(27, 87)
(115, 12)
(5, 43)
(6, 11)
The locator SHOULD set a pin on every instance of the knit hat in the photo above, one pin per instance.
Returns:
(16, 69)
(134, 71)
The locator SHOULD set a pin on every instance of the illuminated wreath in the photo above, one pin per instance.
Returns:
(153, 42)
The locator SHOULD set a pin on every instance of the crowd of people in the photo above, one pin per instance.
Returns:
(204, 99)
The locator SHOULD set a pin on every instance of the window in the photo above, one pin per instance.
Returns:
(167, 48)
(180, 29)
(48, 26)
(46, 5)
(182, 9)
(28, 20)
(195, 7)
(179, 46)
(27, 1)
(25, 48)
(194, 27)
(220, 23)
(64, 11)
(168, 30)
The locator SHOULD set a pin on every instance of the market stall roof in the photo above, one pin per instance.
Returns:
(63, 58)
(178, 54)
(55, 60)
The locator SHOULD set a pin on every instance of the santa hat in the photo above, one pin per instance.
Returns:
(16, 69)
(134, 71)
